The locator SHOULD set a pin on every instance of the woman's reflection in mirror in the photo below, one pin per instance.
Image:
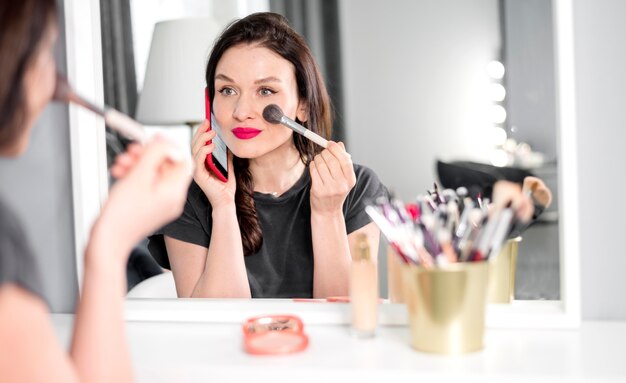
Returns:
(284, 224)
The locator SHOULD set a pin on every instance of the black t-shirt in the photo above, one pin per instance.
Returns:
(17, 260)
(283, 267)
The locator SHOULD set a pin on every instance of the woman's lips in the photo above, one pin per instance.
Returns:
(246, 133)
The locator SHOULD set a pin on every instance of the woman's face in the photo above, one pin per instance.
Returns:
(39, 83)
(249, 77)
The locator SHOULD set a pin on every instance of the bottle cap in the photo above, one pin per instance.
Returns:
(362, 248)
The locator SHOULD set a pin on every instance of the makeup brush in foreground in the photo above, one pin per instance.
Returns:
(274, 115)
(114, 119)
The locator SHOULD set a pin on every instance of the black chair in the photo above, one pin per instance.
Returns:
(477, 177)
(156, 247)
(140, 266)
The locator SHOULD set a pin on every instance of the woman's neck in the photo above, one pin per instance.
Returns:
(277, 171)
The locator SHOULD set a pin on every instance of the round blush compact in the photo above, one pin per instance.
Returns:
(274, 334)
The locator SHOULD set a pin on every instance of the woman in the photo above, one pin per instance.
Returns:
(29, 349)
(285, 222)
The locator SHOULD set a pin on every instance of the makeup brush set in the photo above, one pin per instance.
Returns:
(443, 227)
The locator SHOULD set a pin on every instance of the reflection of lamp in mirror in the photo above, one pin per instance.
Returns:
(173, 89)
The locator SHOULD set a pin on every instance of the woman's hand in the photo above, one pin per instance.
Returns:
(505, 193)
(538, 190)
(151, 190)
(219, 193)
(332, 178)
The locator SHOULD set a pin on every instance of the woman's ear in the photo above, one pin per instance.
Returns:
(303, 111)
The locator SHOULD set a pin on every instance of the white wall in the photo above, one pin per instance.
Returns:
(600, 71)
(415, 84)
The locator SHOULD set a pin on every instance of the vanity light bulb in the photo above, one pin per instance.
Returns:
(498, 136)
(495, 69)
(498, 114)
(499, 157)
(510, 145)
(497, 92)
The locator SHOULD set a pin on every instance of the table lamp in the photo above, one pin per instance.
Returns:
(173, 89)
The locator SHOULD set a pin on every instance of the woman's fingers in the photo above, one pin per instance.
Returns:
(125, 161)
(538, 189)
(345, 161)
(333, 165)
(200, 156)
(315, 175)
(201, 140)
(200, 130)
(322, 170)
(339, 165)
(507, 193)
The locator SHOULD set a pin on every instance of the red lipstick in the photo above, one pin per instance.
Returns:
(246, 133)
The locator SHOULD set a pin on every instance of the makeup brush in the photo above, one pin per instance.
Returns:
(274, 115)
(113, 118)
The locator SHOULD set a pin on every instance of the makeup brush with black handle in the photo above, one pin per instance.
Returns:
(274, 115)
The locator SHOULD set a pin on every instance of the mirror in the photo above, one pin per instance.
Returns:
(423, 79)
(89, 177)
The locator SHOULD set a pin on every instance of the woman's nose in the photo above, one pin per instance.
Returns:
(244, 109)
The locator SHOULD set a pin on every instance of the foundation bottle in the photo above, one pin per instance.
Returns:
(363, 290)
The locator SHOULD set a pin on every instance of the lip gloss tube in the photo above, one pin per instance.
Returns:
(363, 290)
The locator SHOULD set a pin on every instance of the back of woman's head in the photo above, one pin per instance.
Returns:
(23, 24)
(272, 31)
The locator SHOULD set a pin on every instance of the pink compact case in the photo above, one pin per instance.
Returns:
(274, 334)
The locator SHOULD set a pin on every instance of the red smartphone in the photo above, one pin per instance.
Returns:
(216, 162)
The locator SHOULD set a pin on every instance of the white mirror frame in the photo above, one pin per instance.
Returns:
(88, 159)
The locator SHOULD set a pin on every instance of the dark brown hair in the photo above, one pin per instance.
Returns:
(272, 31)
(23, 24)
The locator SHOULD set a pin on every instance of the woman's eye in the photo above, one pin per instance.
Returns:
(266, 92)
(227, 91)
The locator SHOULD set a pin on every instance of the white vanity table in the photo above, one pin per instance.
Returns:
(212, 352)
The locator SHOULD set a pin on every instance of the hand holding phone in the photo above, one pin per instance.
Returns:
(216, 162)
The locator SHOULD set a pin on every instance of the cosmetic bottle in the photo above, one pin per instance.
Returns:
(363, 290)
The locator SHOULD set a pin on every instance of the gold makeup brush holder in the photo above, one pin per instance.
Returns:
(446, 306)
(501, 288)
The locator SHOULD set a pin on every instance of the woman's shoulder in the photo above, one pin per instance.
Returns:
(195, 193)
(362, 170)
(196, 199)
(366, 176)
(367, 182)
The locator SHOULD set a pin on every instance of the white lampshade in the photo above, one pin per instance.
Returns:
(173, 88)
